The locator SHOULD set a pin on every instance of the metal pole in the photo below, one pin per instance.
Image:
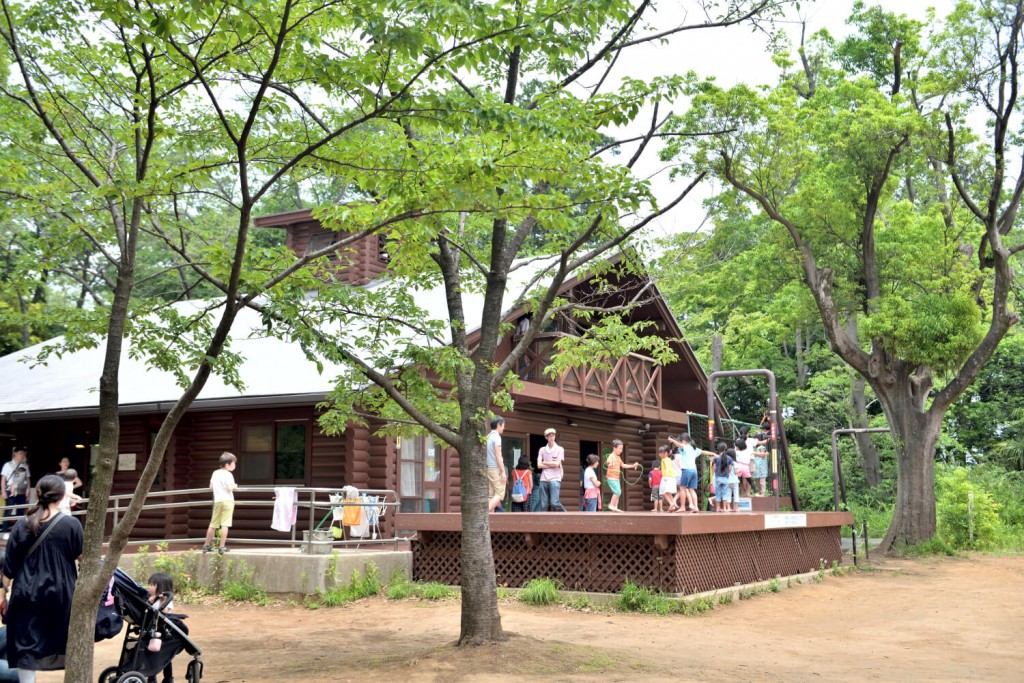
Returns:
(312, 517)
(853, 530)
(866, 555)
(835, 457)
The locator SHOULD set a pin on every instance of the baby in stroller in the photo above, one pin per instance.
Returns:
(154, 634)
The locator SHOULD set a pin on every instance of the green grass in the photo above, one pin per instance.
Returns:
(436, 591)
(361, 585)
(240, 585)
(933, 546)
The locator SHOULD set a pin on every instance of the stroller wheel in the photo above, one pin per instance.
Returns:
(132, 677)
(109, 675)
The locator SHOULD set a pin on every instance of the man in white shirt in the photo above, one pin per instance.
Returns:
(15, 480)
(549, 461)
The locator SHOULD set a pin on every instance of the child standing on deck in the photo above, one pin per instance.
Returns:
(668, 478)
(721, 465)
(654, 479)
(223, 484)
(614, 475)
(591, 485)
(524, 475)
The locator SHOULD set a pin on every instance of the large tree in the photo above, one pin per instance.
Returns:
(468, 131)
(867, 161)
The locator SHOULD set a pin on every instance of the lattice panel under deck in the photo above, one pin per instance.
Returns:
(713, 561)
(579, 561)
(690, 564)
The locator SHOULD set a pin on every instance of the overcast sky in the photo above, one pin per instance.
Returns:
(733, 55)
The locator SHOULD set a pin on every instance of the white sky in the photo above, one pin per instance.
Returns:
(732, 55)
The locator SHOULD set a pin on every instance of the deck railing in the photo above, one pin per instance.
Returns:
(634, 380)
(314, 503)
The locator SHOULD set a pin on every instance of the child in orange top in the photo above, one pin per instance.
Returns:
(615, 467)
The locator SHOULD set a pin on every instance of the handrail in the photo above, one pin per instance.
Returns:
(307, 500)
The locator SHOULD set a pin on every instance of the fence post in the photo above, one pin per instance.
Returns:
(970, 516)
(866, 556)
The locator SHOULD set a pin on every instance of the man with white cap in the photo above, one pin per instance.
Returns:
(549, 461)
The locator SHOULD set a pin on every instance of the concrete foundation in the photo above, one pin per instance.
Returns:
(276, 570)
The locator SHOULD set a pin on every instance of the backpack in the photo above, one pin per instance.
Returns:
(519, 494)
(109, 621)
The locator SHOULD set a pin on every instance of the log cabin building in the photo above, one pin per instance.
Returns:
(272, 426)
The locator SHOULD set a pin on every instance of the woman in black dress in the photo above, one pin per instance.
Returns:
(40, 563)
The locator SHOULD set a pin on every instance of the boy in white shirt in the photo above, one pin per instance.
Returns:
(223, 485)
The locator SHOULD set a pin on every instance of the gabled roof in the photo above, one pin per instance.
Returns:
(273, 371)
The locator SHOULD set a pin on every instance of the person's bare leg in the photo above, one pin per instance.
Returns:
(224, 536)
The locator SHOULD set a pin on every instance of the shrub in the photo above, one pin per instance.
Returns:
(541, 591)
(634, 598)
(967, 516)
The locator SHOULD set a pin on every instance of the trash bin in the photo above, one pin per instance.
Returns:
(321, 544)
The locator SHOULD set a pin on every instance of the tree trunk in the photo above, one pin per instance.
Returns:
(93, 572)
(481, 621)
(916, 433)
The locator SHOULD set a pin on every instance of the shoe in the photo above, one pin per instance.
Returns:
(207, 548)
(223, 549)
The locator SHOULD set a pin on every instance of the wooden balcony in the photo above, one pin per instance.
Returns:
(633, 386)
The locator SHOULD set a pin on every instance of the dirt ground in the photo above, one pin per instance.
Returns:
(910, 620)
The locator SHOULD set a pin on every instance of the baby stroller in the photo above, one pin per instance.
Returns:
(146, 622)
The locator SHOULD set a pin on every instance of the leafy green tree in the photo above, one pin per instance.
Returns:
(822, 156)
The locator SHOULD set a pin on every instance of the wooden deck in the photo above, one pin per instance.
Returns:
(671, 552)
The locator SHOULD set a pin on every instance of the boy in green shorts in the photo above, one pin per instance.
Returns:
(223, 485)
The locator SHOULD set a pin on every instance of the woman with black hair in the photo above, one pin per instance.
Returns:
(40, 563)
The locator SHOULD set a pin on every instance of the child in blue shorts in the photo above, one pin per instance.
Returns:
(721, 465)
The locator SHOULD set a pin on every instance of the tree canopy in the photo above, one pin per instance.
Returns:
(901, 217)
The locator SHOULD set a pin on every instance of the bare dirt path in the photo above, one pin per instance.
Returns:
(920, 620)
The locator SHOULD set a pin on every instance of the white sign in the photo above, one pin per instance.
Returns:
(126, 461)
(784, 521)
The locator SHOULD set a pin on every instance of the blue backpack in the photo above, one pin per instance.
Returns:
(519, 494)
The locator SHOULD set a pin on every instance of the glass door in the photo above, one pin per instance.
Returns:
(420, 480)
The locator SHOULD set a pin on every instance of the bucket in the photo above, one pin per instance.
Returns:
(321, 543)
